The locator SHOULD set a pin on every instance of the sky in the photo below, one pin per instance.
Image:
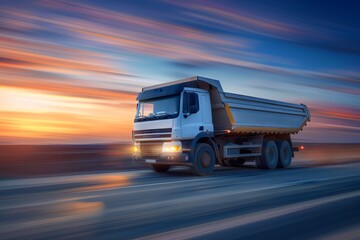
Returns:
(70, 70)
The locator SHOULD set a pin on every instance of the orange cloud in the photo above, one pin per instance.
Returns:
(44, 60)
(33, 116)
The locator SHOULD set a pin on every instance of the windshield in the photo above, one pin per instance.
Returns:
(158, 108)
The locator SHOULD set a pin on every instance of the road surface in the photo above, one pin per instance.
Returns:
(319, 202)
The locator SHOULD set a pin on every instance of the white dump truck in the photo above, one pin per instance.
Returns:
(193, 122)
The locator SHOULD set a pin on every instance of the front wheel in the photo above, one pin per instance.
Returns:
(204, 160)
(160, 168)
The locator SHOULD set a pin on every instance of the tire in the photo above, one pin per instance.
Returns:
(269, 155)
(204, 160)
(160, 168)
(285, 153)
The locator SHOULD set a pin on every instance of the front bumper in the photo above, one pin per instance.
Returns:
(174, 159)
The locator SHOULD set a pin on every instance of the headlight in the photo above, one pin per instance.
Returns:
(170, 147)
(136, 147)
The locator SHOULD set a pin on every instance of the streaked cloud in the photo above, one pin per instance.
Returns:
(267, 20)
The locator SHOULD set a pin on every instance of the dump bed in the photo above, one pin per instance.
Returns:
(252, 115)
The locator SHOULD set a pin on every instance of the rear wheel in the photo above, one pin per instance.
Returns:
(285, 153)
(160, 167)
(204, 160)
(269, 156)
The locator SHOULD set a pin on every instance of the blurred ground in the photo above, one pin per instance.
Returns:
(299, 203)
(40, 160)
(95, 192)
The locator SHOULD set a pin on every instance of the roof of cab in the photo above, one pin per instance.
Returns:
(213, 82)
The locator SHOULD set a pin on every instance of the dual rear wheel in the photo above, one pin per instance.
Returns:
(275, 154)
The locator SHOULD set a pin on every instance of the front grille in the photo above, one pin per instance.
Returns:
(154, 136)
(152, 149)
(161, 130)
(152, 133)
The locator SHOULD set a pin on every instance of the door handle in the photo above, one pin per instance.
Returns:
(201, 128)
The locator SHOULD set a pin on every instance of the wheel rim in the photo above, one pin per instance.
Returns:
(205, 160)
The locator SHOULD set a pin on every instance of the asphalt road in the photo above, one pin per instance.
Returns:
(319, 202)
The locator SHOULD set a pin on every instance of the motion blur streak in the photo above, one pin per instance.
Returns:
(247, 203)
(49, 215)
(70, 70)
(105, 182)
(209, 228)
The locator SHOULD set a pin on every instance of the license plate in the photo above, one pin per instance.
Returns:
(150, 160)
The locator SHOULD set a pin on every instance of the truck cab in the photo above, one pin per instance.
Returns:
(166, 123)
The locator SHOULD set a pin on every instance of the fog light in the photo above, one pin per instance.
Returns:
(171, 147)
(136, 148)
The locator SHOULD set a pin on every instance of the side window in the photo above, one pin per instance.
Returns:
(191, 103)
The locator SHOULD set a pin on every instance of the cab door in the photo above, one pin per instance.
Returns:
(192, 118)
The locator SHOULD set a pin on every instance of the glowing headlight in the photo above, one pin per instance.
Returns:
(136, 147)
(170, 147)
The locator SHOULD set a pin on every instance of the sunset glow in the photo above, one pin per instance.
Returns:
(37, 116)
(70, 71)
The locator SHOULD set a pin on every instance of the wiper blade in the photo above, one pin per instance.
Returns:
(157, 116)
(141, 118)
(161, 114)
